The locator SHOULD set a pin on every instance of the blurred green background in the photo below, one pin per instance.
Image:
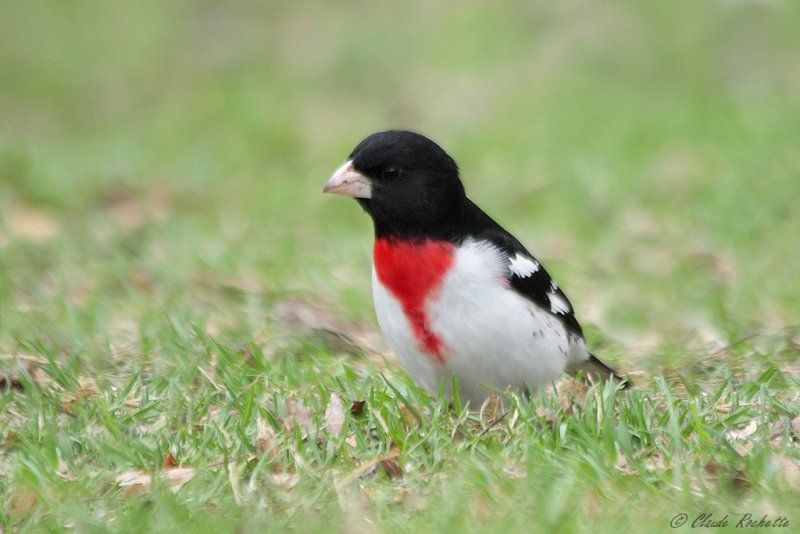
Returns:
(646, 151)
(161, 167)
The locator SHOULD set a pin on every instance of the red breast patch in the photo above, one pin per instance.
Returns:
(413, 272)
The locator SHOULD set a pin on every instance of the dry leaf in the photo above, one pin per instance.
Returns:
(790, 470)
(334, 415)
(655, 463)
(265, 439)
(286, 481)
(367, 468)
(357, 408)
(21, 501)
(87, 387)
(179, 476)
(30, 224)
(724, 408)
(392, 468)
(63, 468)
(370, 472)
(16, 365)
(738, 480)
(142, 281)
(743, 448)
(741, 433)
(549, 417)
(622, 464)
(168, 461)
(298, 415)
(136, 481)
(570, 391)
(491, 409)
(793, 426)
(409, 420)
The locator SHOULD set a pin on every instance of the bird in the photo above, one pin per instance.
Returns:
(454, 292)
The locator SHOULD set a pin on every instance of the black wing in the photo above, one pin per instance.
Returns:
(526, 275)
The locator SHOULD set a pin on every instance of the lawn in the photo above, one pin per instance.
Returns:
(187, 339)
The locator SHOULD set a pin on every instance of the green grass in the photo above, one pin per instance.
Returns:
(162, 232)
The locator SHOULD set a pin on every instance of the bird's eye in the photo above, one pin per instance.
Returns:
(391, 173)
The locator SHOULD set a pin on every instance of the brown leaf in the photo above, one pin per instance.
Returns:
(334, 415)
(367, 467)
(87, 387)
(21, 501)
(409, 420)
(168, 461)
(357, 408)
(738, 477)
(142, 281)
(392, 469)
(740, 480)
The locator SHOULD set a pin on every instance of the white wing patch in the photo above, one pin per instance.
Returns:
(557, 303)
(523, 266)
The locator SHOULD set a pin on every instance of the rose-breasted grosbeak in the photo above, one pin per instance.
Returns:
(454, 292)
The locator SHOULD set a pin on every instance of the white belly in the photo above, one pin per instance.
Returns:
(492, 337)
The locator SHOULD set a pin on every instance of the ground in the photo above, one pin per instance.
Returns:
(186, 332)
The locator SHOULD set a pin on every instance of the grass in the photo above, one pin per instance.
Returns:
(162, 240)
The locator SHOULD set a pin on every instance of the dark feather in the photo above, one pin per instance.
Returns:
(596, 371)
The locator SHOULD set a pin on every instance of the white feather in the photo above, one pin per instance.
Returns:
(523, 266)
(493, 338)
(557, 303)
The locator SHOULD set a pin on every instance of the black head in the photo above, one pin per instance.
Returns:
(404, 181)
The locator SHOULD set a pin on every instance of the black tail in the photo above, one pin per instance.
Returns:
(596, 371)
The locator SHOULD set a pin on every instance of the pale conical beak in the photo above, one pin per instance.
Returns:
(349, 182)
